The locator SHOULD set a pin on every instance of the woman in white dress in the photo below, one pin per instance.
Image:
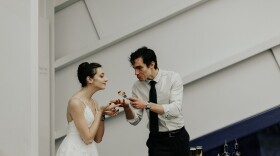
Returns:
(85, 117)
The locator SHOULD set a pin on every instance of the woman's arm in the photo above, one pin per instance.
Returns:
(88, 134)
(100, 131)
(107, 110)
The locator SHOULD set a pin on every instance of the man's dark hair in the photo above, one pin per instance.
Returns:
(86, 69)
(148, 56)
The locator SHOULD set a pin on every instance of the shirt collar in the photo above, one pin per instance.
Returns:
(157, 77)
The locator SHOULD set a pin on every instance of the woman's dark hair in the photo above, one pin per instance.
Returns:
(86, 69)
(148, 56)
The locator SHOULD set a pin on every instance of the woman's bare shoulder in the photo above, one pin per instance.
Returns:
(75, 102)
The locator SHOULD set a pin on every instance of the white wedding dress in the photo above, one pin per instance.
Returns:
(73, 145)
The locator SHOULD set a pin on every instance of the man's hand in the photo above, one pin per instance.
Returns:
(122, 103)
(129, 114)
(138, 103)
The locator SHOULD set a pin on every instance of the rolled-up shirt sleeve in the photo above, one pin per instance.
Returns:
(138, 113)
(174, 108)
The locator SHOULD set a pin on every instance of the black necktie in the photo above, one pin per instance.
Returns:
(153, 116)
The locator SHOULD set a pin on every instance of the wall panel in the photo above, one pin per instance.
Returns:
(119, 15)
(73, 30)
(232, 94)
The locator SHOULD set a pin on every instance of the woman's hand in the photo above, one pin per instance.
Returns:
(110, 109)
(122, 103)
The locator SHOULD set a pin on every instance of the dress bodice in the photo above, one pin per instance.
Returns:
(73, 145)
(72, 129)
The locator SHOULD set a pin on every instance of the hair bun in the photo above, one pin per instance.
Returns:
(83, 65)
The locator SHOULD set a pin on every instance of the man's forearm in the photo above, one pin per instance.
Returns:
(128, 113)
(157, 108)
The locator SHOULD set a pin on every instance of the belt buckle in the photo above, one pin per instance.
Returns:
(171, 134)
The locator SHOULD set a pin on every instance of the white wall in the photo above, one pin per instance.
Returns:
(25, 78)
(44, 89)
(212, 34)
(232, 94)
(17, 72)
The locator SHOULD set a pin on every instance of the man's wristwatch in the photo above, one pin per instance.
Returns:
(148, 106)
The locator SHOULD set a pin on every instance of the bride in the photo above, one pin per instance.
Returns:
(85, 116)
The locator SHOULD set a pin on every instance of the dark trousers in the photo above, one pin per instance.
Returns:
(174, 143)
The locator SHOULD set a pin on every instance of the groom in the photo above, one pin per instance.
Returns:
(159, 93)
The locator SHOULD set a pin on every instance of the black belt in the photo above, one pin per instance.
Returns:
(170, 134)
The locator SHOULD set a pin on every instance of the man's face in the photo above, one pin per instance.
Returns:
(141, 70)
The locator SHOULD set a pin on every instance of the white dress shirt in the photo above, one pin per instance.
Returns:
(169, 88)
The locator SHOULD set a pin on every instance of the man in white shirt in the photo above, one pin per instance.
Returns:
(168, 136)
